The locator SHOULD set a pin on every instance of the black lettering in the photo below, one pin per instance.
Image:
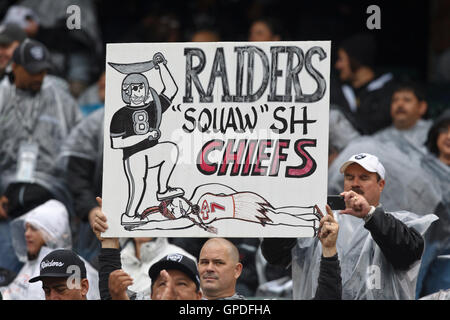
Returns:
(281, 119)
(274, 74)
(193, 72)
(321, 83)
(253, 96)
(292, 73)
(304, 121)
(190, 119)
(219, 69)
(207, 123)
(239, 73)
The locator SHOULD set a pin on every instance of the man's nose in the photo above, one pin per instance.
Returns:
(210, 266)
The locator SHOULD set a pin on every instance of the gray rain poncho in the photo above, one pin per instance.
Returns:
(52, 220)
(408, 141)
(45, 119)
(433, 166)
(366, 274)
(341, 130)
(86, 142)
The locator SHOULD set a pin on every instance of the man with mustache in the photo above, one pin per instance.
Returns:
(408, 109)
(380, 252)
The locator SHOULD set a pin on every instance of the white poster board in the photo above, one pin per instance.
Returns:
(224, 139)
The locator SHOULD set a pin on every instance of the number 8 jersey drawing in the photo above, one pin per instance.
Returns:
(134, 129)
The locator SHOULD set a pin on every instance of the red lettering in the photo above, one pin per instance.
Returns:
(203, 165)
(234, 157)
(308, 165)
(278, 156)
(259, 170)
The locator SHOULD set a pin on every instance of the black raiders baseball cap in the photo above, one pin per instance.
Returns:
(33, 56)
(57, 264)
(178, 262)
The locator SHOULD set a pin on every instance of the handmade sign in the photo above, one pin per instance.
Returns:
(222, 139)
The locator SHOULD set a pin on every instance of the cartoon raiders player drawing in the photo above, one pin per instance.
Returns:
(134, 128)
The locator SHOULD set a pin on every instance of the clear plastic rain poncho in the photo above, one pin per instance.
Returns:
(435, 167)
(366, 274)
(341, 129)
(44, 119)
(415, 137)
(52, 220)
(86, 142)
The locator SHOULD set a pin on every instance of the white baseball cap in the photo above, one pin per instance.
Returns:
(367, 161)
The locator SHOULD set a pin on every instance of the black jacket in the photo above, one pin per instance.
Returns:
(329, 284)
(374, 104)
(84, 185)
(401, 245)
(109, 260)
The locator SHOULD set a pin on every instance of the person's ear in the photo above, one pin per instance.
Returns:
(84, 287)
(238, 270)
(381, 184)
(423, 106)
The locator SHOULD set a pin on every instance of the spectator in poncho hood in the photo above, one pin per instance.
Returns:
(34, 235)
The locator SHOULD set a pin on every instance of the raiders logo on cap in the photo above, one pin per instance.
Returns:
(175, 257)
(37, 53)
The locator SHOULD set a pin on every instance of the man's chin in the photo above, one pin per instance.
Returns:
(32, 256)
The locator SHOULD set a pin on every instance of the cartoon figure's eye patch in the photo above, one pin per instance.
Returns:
(137, 87)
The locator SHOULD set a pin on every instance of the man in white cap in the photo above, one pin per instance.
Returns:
(380, 252)
(363, 183)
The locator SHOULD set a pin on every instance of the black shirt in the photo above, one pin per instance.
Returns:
(129, 121)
